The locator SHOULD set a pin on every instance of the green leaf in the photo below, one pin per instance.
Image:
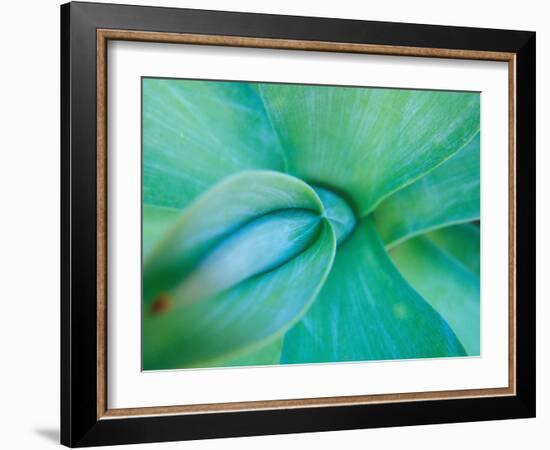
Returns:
(462, 242)
(367, 311)
(244, 318)
(368, 142)
(338, 212)
(155, 221)
(267, 355)
(259, 246)
(197, 132)
(447, 195)
(446, 284)
(219, 213)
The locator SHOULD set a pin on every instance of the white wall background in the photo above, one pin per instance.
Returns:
(29, 236)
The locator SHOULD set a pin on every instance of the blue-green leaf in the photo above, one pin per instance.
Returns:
(446, 284)
(462, 242)
(267, 355)
(197, 132)
(241, 319)
(368, 142)
(259, 246)
(367, 311)
(338, 212)
(155, 221)
(220, 213)
(447, 195)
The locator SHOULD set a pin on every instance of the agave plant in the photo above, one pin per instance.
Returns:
(302, 224)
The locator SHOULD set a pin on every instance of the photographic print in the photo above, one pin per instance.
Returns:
(299, 224)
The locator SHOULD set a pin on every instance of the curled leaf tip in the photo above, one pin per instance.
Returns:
(338, 212)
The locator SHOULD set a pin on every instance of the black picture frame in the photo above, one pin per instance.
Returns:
(80, 425)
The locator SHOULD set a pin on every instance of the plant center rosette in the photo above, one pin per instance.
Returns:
(300, 224)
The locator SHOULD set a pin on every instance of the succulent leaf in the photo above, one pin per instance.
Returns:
(259, 246)
(368, 143)
(338, 212)
(197, 132)
(268, 210)
(208, 221)
(367, 311)
(266, 355)
(156, 221)
(449, 286)
(244, 318)
(462, 242)
(447, 195)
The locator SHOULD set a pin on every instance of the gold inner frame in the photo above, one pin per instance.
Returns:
(103, 36)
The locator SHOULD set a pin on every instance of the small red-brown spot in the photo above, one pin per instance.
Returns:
(161, 304)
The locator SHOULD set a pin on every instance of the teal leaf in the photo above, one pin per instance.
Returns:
(259, 210)
(462, 242)
(338, 212)
(203, 225)
(269, 354)
(259, 246)
(155, 221)
(368, 142)
(367, 311)
(447, 195)
(242, 319)
(446, 284)
(197, 132)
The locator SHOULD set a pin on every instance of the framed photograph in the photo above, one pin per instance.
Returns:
(277, 224)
